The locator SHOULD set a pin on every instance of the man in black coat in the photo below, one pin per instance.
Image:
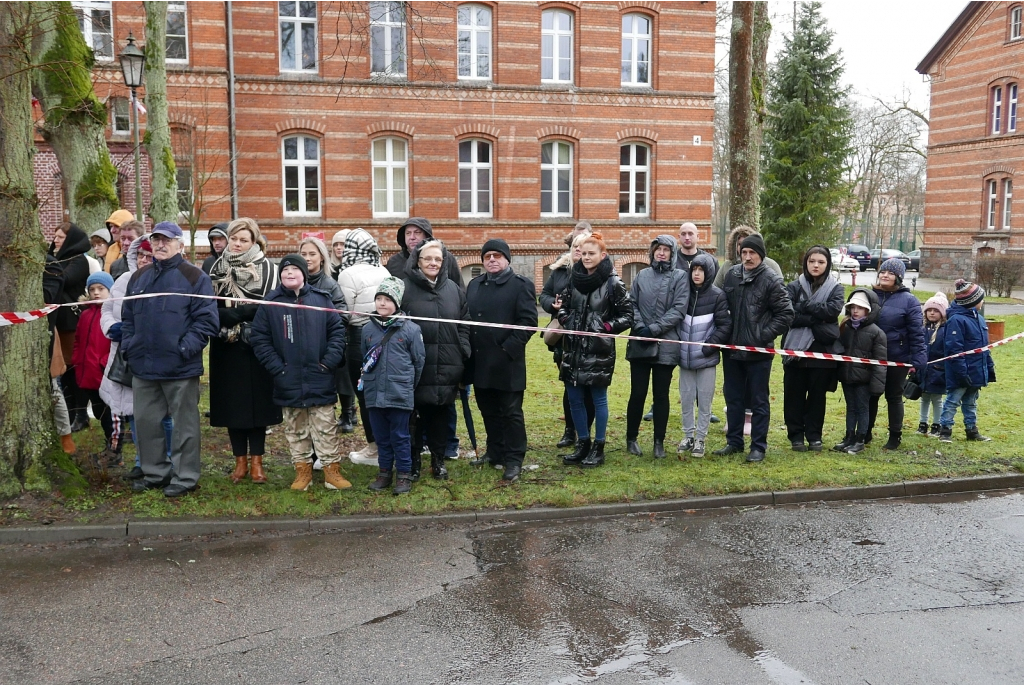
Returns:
(414, 231)
(218, 239)
(499, 355)
(761, 311)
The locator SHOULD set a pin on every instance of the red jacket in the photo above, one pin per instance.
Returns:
(91, 349)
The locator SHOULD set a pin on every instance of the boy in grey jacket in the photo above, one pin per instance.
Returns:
(393, 357)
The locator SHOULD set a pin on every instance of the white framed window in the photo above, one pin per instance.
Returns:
(475, 178)
(1007, 202)
(298, 35)
(95, 19)
(636, 50)
(1011, 108)
(301, 160)
(176, 42)
(183, 180)
(1015, 22)
(474, 42)
(555, 46)
(556, 179)
(993, 199)
(997, 108)
(634, 180)
(120, 116)
(387, 39)
(390, 161)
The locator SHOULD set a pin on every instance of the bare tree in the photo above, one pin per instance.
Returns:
(163, 205)
(747, 68)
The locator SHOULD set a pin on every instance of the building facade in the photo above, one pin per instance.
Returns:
(975, 139)
(511, 119)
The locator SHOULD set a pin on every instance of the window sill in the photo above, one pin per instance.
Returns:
(476, 217)
(299, 73)
(301, 215)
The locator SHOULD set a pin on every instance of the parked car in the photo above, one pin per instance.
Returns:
(859, 252)
(887, 254)
(915, 260)
(843, 262)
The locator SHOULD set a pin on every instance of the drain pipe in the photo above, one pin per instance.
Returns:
(232, 150)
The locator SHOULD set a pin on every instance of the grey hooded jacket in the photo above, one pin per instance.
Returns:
(659, 295)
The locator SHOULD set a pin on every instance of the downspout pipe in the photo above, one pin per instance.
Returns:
(232, 149)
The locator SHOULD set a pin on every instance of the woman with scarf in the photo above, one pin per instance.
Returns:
(70, 243)
(659, 294)
(360, 273)
(241, 390)
(817, 299)
(596, 301)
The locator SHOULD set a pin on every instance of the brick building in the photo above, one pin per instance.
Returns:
(975, 140)
(511, 119)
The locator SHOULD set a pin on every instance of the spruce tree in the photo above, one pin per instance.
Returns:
(806, 143)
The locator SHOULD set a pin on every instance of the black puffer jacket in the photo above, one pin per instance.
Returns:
(760, 307)
(866, 341)
(71, 257)
(592, 301)
(822, 318)
(446, 344)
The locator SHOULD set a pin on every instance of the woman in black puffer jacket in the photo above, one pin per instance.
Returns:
(70, 243)
(596, 302)
(430, 293)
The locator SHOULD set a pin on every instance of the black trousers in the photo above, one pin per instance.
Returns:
(502, 411)
(588, 402)
(432, 420)
(354, 362)
(640, 377)
(746, 385)
(248, 441)
(805, 391)
(894, 379)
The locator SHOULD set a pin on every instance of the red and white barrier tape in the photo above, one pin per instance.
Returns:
(10, 318)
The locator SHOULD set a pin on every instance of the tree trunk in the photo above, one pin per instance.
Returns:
(26, 414)
(75, 119)
(163, 205)
(748, 51)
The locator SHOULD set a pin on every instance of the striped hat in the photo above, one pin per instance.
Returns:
(968, 294)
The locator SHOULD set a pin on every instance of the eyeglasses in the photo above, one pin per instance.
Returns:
(432, 260)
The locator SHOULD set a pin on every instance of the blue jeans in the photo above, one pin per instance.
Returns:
(168, 425)
(967, 400)
(577, 395)
(394, 445)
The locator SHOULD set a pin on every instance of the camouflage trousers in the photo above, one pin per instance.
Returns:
(311, 428)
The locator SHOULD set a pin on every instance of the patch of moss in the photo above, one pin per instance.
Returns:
(67, 74)
(98, 185)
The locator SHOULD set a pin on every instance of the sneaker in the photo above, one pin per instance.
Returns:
(366, 456)
(317, 464)
(698, 449)
(403, 484)
(934, 432)
(685, 445)
(945, 434)
(973, 435)
(922, 428)
(452, 455)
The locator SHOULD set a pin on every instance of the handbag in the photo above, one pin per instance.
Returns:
(552, 334)
(641, 350)
(119, 371)
(912, 390)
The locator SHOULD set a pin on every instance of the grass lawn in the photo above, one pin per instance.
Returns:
(548, 482)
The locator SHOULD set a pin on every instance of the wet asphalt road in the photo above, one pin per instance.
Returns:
(896, 592)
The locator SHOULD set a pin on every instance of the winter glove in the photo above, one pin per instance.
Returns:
(641, 331)
(607, 327)
(913, 377)
(114, 332)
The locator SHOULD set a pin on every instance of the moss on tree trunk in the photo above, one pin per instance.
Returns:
(164, 203)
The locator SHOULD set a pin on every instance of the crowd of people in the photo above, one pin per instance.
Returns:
(398, 345)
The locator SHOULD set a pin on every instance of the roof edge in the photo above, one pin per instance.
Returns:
(948, 37)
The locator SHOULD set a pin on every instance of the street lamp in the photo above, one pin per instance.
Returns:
(132, 61)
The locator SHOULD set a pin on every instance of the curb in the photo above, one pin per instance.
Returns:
(151, 529)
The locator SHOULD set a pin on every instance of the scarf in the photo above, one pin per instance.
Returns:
(662, 267)
(240, 274)
(856, 322)
(588, 283)
(802, 338)
(360, 248)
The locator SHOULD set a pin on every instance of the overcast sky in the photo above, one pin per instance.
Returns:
(882, 40)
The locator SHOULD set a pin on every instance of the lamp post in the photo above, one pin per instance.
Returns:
(132, 61)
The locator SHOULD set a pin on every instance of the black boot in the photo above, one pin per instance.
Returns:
(383, 481)
(974, 436)
(934, 432)
(895, 438)
(417, 462)
(568, 437)
(437, 468)
(633, 447)
(856, 446)
(596, 455)
(922, 428)
(847, 441)
(945, 434)
(579, 454)
(659, 449)
(354, 414)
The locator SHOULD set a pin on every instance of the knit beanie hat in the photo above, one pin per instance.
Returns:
(756, 243)
(938, 302)
(391, 288)
(894, 266)
(101, 277)
(296, 261)
(496, 245)
(103, 234)
(146, 246)
(968, 294)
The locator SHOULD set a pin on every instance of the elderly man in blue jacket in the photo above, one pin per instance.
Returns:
(162, 339)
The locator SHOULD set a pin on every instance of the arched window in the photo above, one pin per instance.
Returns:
(636, 50)
(474, 42)
(301, 161)
(1003, 105)
(556, 178)
(390, 162)
(634, 180)
(475, 178)
(556, 46)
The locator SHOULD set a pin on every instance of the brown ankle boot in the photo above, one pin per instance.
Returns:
(67, 444)
(256, 470)
(333, 480)
(241, 468)
(303, 475)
